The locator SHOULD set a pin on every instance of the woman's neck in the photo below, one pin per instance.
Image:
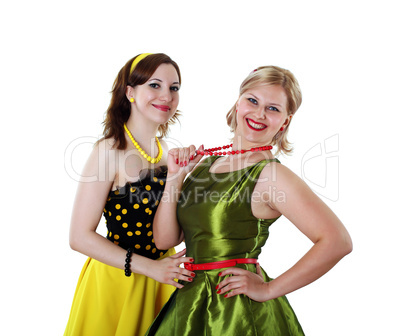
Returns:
(240, 142)
(144, 133)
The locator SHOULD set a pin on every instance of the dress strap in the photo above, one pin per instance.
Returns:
(253, 172)
(202, 165)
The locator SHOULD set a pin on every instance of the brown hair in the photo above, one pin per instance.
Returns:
(272, 75)
(119, 109)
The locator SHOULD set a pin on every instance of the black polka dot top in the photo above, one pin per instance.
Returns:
(130, 210)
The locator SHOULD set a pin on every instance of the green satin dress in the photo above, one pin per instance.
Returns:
(215, 213)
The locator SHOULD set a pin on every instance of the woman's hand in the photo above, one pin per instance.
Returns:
(168, 269)
(244, 282)
(167, 231)
(181, 161)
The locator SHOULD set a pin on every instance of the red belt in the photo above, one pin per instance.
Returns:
(218, 264)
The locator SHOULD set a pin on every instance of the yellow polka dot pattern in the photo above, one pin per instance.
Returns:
(129, 212)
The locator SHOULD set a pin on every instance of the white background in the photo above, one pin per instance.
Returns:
(58, 63)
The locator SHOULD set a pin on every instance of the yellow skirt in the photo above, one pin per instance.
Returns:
(107, 303)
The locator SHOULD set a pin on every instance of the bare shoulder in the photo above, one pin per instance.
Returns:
(104, 151)
(102, 160)
(275, 173)
(295, 193)
(106, 145)
(280, 185)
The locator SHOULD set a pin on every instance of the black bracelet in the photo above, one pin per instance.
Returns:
(127, 269)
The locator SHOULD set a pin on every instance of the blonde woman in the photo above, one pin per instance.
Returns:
(226, 208)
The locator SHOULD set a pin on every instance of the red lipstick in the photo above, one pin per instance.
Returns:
(255, 126)
(163, 108)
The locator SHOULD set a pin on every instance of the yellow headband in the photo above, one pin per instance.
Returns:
(137, 60)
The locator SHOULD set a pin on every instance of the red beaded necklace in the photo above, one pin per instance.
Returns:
(214, 151)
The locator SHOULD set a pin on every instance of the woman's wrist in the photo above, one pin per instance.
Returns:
(175, 179)
(149, 268)
(139, 264)
(127, 265)
(172, 190)
(269, 291)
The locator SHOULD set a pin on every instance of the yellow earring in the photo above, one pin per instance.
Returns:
(132, 100)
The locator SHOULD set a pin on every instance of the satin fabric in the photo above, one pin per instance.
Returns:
(215, 214)
(106, 302)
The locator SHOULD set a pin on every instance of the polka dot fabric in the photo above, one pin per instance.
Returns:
(130, 210)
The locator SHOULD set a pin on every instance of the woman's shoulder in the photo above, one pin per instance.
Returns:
(283, 178)
(104, 152)
(108, 148)
(106, 144)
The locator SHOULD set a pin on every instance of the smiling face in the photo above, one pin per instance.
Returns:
(261, 112)
(157, 99)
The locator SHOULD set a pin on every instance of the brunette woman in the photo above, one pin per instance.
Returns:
(127, 279)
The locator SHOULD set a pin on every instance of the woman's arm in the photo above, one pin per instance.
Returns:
(167, 231)
(316, 220)
(88, 207)
(313, 218)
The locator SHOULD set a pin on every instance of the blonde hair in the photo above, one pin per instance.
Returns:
(272, 75)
